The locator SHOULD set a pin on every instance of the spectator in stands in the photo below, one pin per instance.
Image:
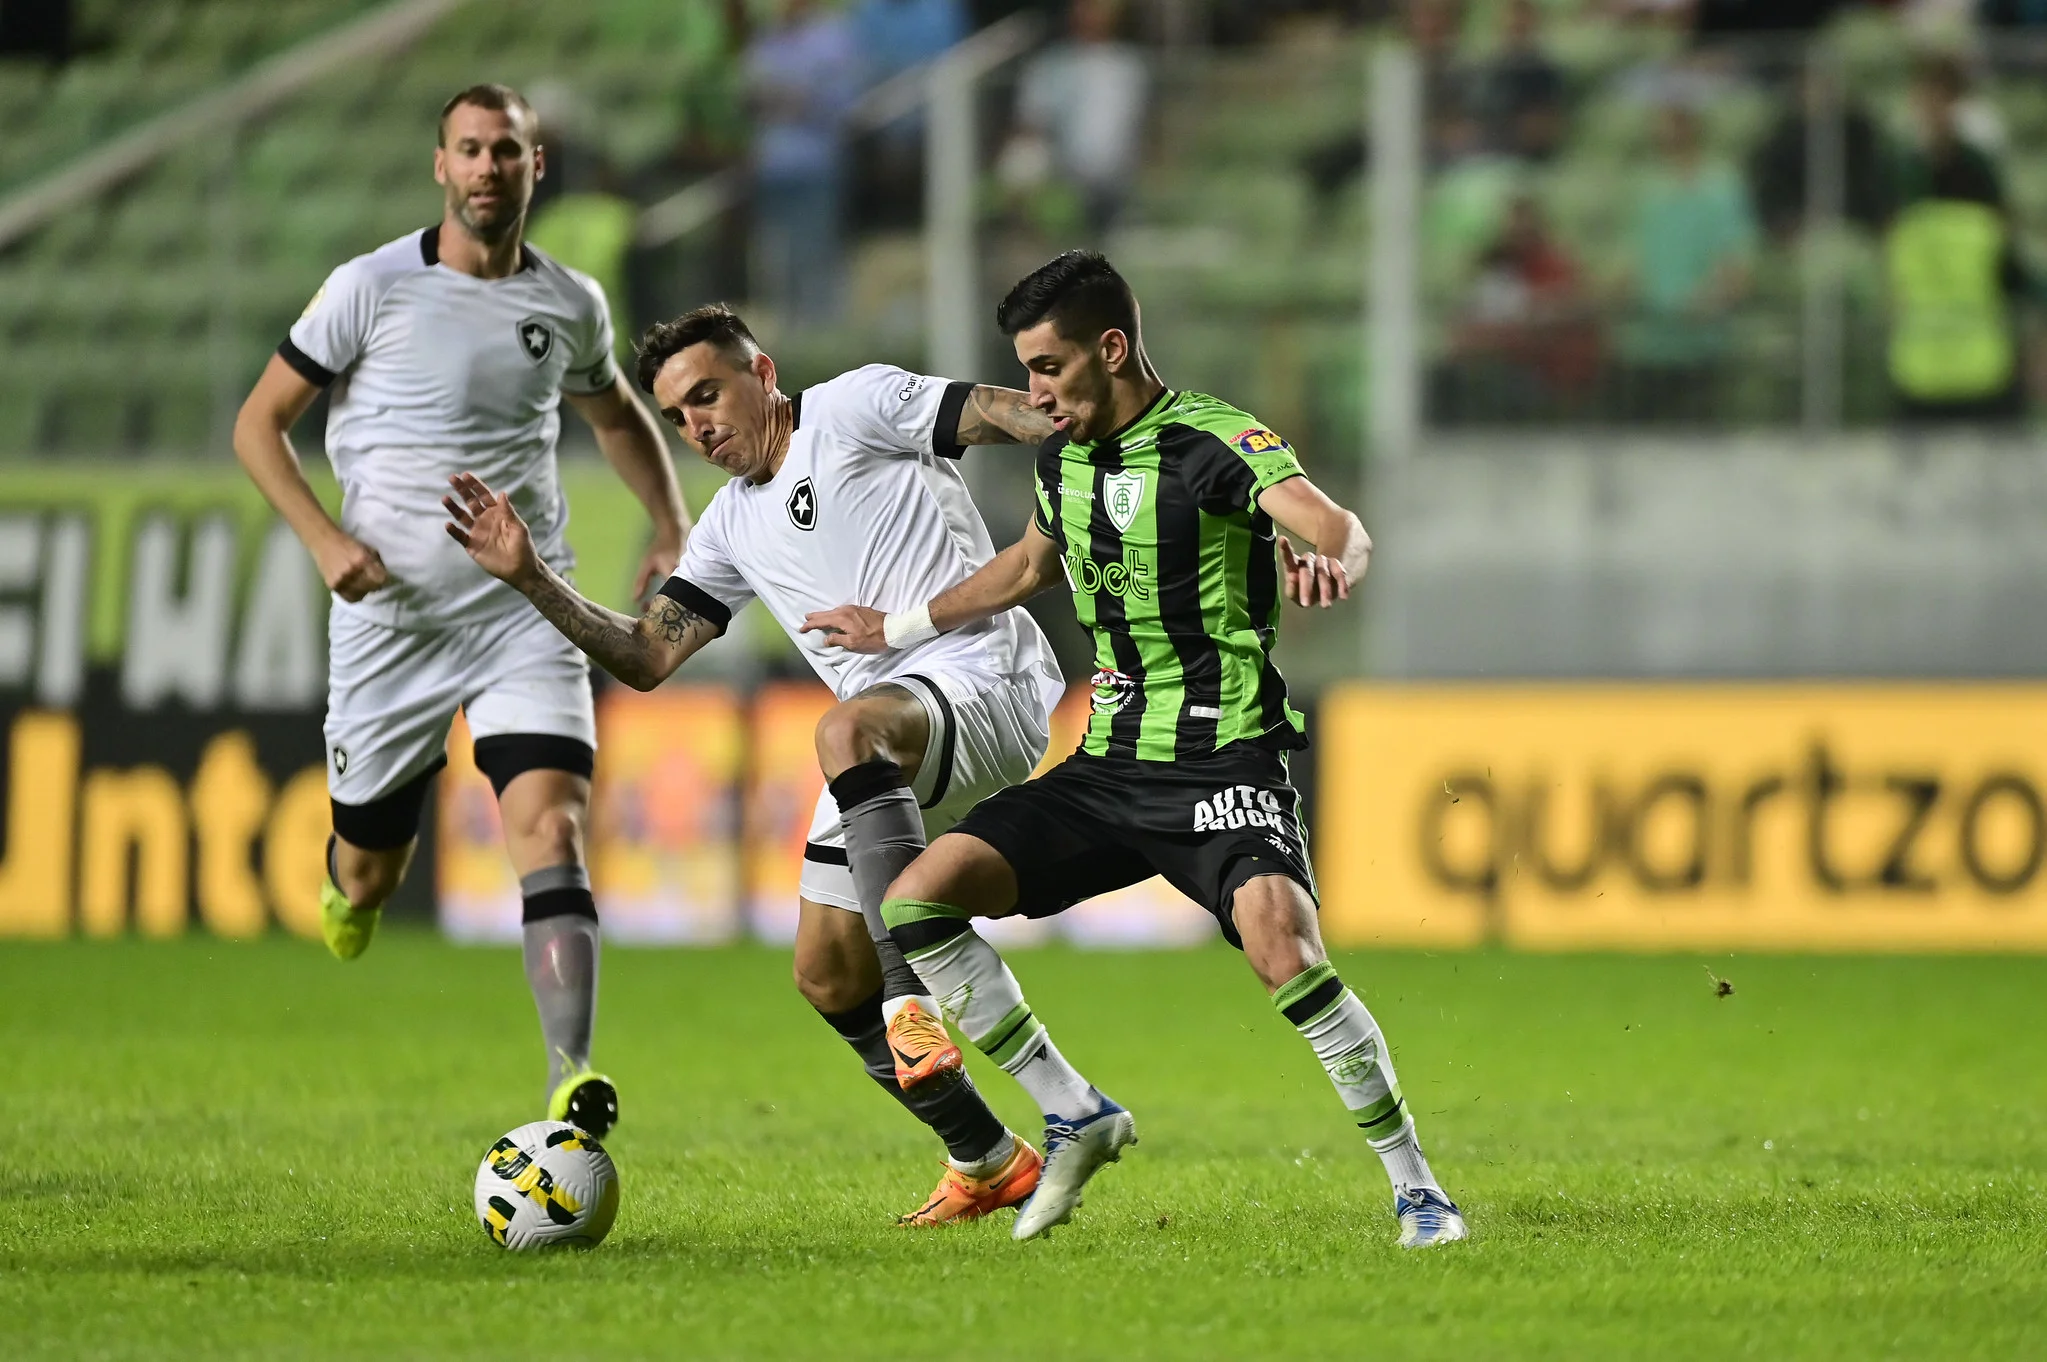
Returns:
(1671, 14)
(897, 36)
(589, 227)
(1778, 169)
(802, 76)
(1692, 245)
(2014, 13)
(1520, 92)
(1525, 337)
(1953, 269)
(1080, 113)
(1450, 123)
(1714, 18)
(1734, 18)
(37, 28)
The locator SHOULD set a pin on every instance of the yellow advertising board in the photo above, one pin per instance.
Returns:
(663, 844)
(1802, 817)
(783, 783)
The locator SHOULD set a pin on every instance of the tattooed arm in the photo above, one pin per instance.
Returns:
(641, 652)
(1002, 416)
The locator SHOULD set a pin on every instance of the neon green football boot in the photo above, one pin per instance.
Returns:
(587, 1100)
(347, 928)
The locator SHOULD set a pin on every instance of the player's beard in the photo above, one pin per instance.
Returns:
(492, 230)
(1099, 405)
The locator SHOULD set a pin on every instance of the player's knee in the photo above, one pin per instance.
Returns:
(368, 878)
(827, 988)
(1275, 920)
(963, 871)
(554, 835)
(846, 736)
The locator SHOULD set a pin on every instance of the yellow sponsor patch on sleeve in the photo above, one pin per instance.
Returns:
(1258, 440)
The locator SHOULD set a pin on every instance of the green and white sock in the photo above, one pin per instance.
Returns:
(1353, 1052)
(980, 996)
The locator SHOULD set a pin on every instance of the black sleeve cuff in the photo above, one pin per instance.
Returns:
(945, 435)
(697, 601)
(304, 364)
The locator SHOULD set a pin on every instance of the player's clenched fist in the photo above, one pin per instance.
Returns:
(1312, 578)
(352, 569)
(484, 523)
(853, 627)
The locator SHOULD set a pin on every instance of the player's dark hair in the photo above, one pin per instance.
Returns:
(502, 98)
(1079, 292)
(713, 322)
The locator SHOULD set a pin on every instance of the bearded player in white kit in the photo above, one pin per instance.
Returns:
(854, 485)
(451, 349)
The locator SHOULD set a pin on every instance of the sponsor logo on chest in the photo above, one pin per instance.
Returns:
(1131, 577)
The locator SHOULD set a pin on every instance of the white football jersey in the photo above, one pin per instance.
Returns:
(436, 372)
(869, 508)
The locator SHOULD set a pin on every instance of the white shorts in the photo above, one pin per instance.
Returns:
(984, 736)
(391, 694)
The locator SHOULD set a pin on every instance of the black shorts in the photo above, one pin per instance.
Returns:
(1095, 824)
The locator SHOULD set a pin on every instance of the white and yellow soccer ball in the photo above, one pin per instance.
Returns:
(547, 1183)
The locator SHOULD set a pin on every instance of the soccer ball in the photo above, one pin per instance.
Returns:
(547, 1183)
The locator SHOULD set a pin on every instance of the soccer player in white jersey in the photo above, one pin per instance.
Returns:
(853, 486)
(450, 349)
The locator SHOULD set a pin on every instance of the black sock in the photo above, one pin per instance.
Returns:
(955, 1110)
(884, 833)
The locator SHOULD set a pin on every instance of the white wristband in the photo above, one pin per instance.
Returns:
(909, 628)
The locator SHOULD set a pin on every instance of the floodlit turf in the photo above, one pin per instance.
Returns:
(253, 1150)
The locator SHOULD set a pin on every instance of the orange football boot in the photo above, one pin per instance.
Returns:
(959, 1197)
(921, 1046)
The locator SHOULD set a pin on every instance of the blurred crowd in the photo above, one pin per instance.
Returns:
(1640, 321)
(829, 148)
(1651, 330)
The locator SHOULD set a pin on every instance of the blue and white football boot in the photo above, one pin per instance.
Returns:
(1427, 1218)
(1074, 1152)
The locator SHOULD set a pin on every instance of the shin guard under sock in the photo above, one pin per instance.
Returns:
(1353, 1052)
(561, 946)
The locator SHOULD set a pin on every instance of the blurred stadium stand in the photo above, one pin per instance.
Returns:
(1590, 312)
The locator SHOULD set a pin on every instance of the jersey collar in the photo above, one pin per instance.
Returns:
(430, 249)
(1153, 408)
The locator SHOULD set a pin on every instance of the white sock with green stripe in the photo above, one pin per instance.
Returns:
(982, 998)
(1353, 1052)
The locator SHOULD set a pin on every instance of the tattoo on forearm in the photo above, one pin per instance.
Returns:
(633, 650)
(994, 416)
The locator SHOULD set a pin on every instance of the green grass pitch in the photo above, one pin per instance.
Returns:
(251, 1150)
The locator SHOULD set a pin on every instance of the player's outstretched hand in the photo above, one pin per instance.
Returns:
(484, 523)
(352, 569)
(853, 627)
(1312, 578)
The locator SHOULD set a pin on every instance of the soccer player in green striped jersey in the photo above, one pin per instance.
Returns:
(1158, 508)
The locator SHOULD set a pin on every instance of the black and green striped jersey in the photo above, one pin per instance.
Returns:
(1171, 565)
